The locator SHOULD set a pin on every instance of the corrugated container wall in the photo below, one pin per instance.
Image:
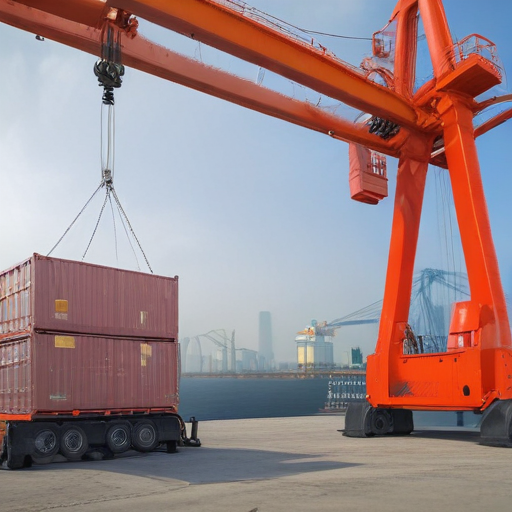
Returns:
(50, 294)
(75, 336)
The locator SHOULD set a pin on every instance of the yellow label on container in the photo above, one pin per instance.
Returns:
(64, 342)
(145, 352)
(61, 306)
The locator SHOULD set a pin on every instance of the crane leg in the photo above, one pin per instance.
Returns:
(496, 427)
(363, 420)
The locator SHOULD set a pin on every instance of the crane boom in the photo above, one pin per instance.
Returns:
(140, 53)
(219, 25)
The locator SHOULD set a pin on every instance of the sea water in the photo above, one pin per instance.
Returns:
(235, 398)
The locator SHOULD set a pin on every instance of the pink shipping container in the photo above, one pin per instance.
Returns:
(45, 373)
(76, 338)
(54, 295)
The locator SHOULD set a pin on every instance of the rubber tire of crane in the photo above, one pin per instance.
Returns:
(73, 442)
(403, 422)
(496, 425)
(46, 444)
(145, 436)
(119, 437)
(381, 422)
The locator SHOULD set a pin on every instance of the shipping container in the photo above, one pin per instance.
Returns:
(46, 373)
(89, 360)
(50, 294)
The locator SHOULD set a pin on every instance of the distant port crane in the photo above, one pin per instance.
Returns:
(433, 292)
(221, 340)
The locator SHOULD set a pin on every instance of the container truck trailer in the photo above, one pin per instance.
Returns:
(89, 361)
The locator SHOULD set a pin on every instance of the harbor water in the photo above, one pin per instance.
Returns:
(225, 398)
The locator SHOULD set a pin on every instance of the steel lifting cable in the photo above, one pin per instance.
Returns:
(107, 154)
(121, 210)
(129, 241)
(75, 219)
(109, 71)
(114, 224)
(97, 223)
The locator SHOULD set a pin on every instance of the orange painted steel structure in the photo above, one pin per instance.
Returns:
(475, 370)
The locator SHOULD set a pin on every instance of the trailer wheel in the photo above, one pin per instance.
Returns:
(119, 437)
(144, 436)
(46, 443)
(73, 442)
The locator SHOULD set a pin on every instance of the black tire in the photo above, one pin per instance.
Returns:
(46, 443)
(41, 460)
(18, 462)
(172, 446)
(381, 422)
(144, 436)
(119, 437)
(403, 423)
(73, 442)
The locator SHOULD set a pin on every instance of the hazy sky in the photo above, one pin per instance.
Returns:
(252, 213)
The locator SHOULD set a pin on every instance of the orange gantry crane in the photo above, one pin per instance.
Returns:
(431, 125)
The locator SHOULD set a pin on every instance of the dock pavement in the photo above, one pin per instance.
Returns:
(274, 465)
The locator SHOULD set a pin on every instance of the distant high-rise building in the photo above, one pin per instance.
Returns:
(357, 357)
(265, 351)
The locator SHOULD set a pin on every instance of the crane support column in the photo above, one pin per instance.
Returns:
(477, 243)
(384, 368)
(382, 365)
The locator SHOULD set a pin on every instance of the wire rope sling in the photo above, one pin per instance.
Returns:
(109, 71)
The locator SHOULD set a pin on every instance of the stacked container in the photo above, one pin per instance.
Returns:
(76, 337)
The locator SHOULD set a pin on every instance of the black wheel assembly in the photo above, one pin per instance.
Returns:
(119, 437)
(46, 443)
(73, 442)
(381, 422)
(144, 436)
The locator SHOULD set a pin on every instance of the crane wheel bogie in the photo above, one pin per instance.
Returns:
(496, 426)
(363, 420)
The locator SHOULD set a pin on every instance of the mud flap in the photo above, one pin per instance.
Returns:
(13, 454)
(496, 427)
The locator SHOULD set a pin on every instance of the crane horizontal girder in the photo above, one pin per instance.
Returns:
(227, 30)
(140, 53)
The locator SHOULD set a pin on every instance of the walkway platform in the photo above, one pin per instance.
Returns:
(278, 464)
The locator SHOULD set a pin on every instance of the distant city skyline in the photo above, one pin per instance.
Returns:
(265, 341)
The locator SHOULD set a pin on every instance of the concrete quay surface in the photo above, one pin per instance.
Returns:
(278, 464)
